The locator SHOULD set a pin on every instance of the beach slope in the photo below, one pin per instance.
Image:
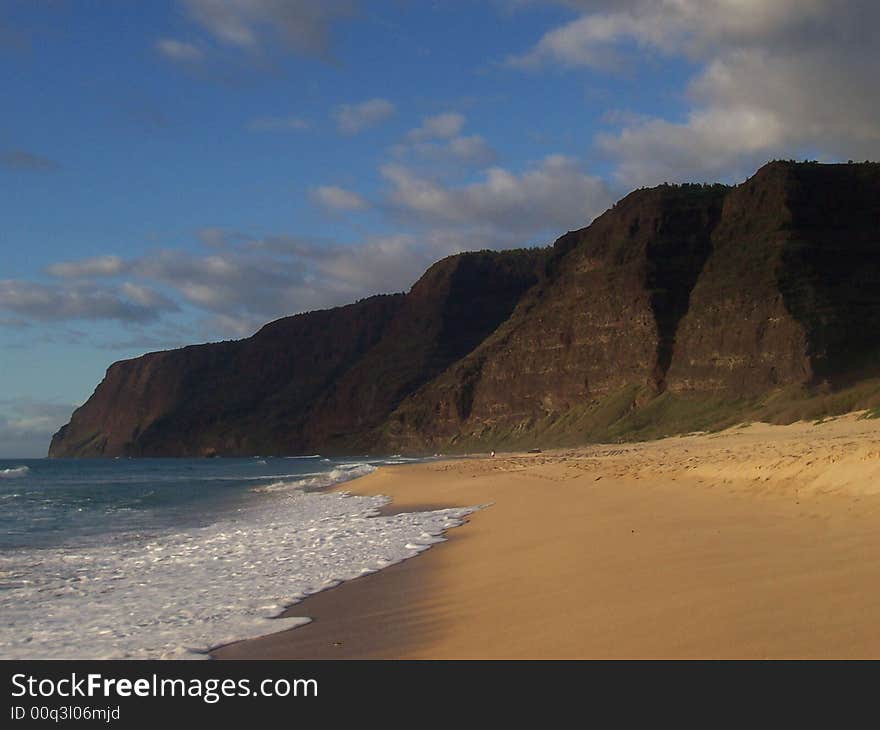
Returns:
(756, 542)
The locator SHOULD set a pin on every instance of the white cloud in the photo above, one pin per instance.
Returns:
(712, 144)
(302, 26)
(694, 27)
(333, 273)
(354, 118)
(242, 283)
(789, 78)
(179, 51)
(439, 140)
(146, 297)
(278, 124)
(472, 150)
(213, 237)
(265, 278)
(334, 198)
(750, 106)
(382, 263)
(220, 282)
(441, 126)
(86, 268)
(237, 281)
(583, 42)
(553, 195)
(79, 301)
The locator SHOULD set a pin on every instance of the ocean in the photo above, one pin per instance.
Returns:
(168, 558)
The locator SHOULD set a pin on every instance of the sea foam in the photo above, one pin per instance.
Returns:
(18, 471)
(176, 594)
(321, 480)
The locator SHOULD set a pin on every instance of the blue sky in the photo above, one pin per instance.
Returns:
(185, 170)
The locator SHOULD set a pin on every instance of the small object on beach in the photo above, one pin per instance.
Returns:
(534, 451)
(492, 453)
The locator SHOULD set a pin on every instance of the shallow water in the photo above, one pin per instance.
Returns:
(170, 557)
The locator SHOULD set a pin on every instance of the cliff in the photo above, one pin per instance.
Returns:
(681, 307)
(790, 293)
(604, 317)
(301, 382)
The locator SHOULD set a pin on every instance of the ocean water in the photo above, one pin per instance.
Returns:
(168, 558)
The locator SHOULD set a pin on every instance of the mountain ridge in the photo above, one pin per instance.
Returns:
(681, 307)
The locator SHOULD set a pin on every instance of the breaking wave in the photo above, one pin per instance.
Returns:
(14, 473)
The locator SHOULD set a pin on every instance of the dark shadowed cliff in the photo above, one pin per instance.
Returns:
(682, 307)
(303, 382)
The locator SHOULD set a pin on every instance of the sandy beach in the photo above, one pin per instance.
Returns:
(757, 542)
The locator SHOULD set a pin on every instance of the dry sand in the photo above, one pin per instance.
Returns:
(761, 541)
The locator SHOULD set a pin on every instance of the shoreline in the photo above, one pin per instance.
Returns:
(756, 542)
(330, 606)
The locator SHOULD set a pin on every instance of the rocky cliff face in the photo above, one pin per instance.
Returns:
(225, 397)
(604, 316)
(697, 295)
(303, 382)
(450, 311)
(790, 292)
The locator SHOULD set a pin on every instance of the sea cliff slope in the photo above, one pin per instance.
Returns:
(680, 308)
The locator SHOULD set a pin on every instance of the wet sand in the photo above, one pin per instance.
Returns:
(758, 542)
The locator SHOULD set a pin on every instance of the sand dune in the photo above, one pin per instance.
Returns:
(760, 541)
